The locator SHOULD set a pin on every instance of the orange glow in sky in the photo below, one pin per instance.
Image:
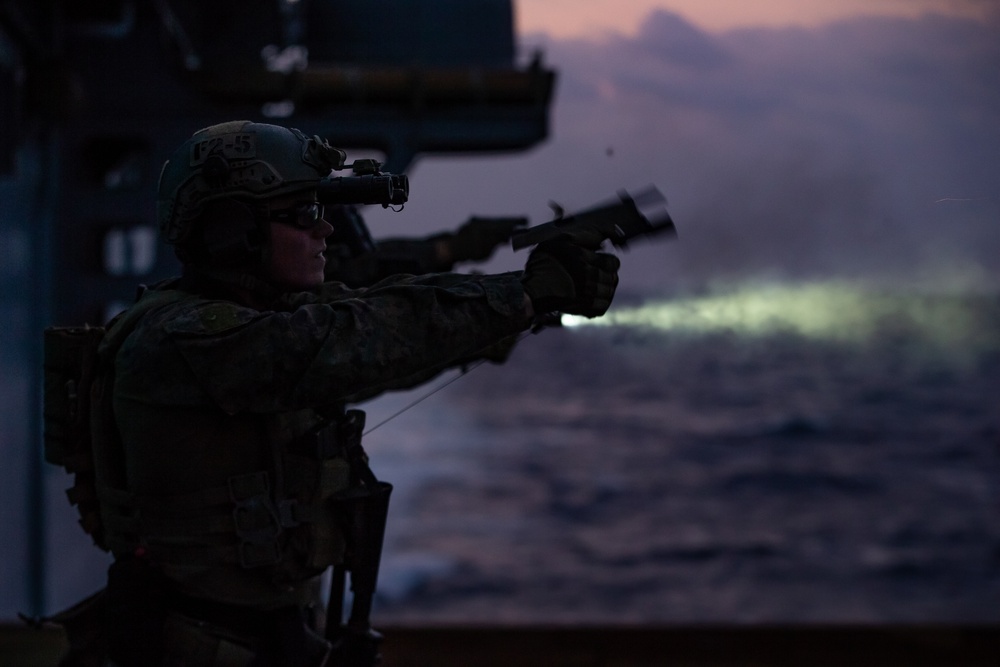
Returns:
(577, 18)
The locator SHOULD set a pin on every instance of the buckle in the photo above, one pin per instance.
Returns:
(256, 520)
(289, 513)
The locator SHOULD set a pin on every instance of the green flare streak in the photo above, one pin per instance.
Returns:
(832, 311)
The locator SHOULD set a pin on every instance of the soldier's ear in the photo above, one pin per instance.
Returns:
(232, 234)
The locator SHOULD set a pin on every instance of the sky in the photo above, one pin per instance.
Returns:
(575, 18)
(794, 140)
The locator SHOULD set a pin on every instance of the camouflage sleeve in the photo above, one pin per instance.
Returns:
(336, 344)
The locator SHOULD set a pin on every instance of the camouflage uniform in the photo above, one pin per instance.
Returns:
(211, 395)
(205, 388)
(227, 471)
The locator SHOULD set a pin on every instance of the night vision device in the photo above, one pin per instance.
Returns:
(368, 185)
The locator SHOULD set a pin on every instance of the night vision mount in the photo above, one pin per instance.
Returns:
(368, 185)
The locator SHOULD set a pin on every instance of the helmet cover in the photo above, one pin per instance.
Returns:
(241, 160)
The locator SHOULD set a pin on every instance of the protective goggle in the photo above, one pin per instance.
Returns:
(303, 216)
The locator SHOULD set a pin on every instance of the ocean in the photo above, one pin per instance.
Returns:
(822, 453)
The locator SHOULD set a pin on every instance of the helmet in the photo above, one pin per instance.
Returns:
(239, 160)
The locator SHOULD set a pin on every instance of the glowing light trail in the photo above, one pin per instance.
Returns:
(833, 311)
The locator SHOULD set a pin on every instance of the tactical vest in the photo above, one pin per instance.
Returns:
(298, 529)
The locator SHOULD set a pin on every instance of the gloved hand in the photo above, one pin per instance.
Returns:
(477, 238)
(565, 277)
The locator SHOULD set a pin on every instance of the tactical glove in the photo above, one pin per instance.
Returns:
(565, 277)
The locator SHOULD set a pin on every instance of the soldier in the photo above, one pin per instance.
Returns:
(355, 259)
(223, 451)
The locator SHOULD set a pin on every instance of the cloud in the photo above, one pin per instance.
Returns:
(863, 147)
(676, 41)
(802, 151)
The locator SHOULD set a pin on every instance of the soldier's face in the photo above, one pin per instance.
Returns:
(298, 242)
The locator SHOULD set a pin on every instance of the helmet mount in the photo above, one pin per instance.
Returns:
(215, 170)
(238, 160)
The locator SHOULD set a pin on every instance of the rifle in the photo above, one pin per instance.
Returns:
(365, 508)
(644, 214)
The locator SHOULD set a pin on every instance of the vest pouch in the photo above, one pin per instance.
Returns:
(316, 520)
(69, 369)
(70, 359)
